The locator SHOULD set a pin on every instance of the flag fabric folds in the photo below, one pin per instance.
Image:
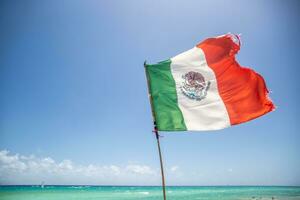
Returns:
(205, 88)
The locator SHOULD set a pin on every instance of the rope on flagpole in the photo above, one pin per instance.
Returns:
(157, 137)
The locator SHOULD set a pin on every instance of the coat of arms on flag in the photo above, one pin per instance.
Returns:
(194, 85)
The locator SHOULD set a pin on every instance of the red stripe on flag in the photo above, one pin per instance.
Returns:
(242, 90)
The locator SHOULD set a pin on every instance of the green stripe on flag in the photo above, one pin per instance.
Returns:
(162, 88)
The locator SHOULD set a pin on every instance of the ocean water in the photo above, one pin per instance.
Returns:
(147, 193)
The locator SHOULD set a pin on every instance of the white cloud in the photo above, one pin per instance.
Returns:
(21, 169)
(174, 168)
(140, 169)
(16, 169)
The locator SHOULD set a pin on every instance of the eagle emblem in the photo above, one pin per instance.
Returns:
(194, 85)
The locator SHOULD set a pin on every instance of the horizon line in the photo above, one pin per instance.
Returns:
(94, 185)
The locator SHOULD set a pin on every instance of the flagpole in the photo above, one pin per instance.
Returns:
(157, 138)
(161, 163)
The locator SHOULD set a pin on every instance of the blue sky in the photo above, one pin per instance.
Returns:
(74, 95)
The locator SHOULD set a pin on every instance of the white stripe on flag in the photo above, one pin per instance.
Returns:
(209, 113)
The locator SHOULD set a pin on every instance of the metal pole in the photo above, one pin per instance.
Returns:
(161, 164)
(157, 138)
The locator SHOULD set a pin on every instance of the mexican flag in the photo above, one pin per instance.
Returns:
(205, 88)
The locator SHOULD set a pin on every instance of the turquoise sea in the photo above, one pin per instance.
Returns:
(147, 193)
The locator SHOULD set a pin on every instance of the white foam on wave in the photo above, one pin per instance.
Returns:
(77, 187)
(145, 193)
